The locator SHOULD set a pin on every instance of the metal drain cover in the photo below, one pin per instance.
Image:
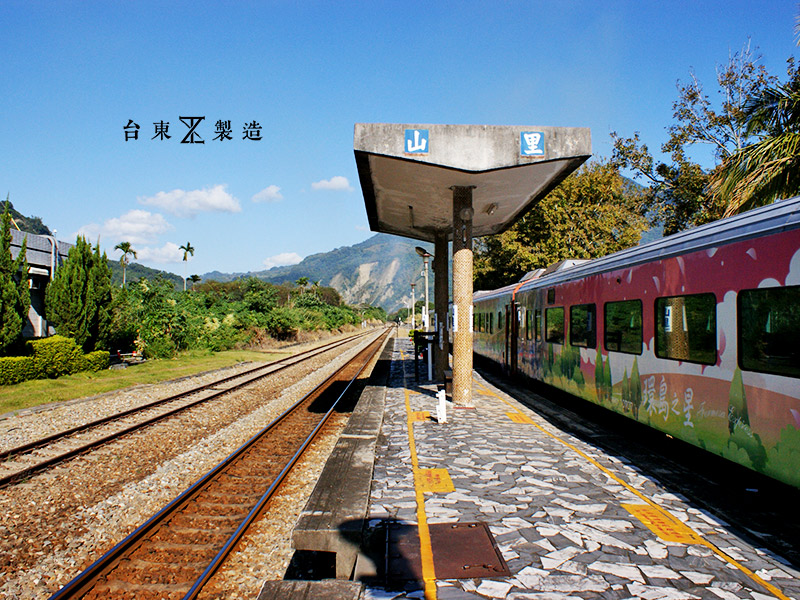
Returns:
(460, 551)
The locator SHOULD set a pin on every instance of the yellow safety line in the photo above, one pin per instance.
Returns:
(775, 591)
(425, 547)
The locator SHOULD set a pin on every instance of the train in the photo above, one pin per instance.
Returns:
(696, 335)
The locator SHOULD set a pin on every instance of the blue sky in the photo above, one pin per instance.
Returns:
(74, 73)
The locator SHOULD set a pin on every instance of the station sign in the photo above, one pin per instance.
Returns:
(531, 143)
(416, 141)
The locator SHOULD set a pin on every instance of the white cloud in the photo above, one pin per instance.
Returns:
(168, 253)
(282, 260)
(334, 183)
(271, 193)
(135, 226)
(188, 204)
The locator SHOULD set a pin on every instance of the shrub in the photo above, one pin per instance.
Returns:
(96, 361)
(56, 356)
(15, 369)
(159, 347)
(52, 357)
(282, 323)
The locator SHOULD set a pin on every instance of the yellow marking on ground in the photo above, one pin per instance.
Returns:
(435, 480)
(668, 529)
(518, 417)
(664, 513)
(420, 415)
(425, 547)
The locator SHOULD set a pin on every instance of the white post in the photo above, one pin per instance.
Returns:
(413, 308)
(441, 407)
(427, 316)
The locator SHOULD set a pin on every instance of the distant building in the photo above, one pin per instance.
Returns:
(45, 254)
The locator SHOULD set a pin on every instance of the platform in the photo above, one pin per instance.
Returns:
(568, 520)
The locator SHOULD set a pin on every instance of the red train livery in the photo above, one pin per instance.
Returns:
(696, 334)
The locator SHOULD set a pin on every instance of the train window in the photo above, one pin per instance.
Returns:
(769, 327)
(623, 326)
(686, 328)
(554, 325)
(537, 323)
(551, 296)
(491, 322)
(583, 325)
(528, 325)
(499, 319)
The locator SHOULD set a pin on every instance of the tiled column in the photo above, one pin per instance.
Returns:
(462, 296)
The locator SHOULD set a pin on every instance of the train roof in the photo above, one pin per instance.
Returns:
(774, 218)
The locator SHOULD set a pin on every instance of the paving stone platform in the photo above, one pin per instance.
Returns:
(569, 521)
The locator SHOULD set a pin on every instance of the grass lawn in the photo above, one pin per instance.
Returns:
(80, 385)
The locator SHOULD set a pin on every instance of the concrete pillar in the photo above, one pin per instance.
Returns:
(441, 297)
(462, 296)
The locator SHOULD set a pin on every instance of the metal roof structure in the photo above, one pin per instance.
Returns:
(41, 251)
(407, 172)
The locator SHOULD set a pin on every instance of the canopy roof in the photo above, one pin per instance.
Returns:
(407, 172)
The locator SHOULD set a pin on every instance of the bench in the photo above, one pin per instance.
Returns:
(329, 589)
(335, 514)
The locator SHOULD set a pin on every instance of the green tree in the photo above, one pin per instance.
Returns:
(678, 194)
(591, 213)
(768, 169)
(625, 388)
(194, 279)
(126, 249)
(164, 328)
(15, 297)
(635, 388)
(598, 377)
(78, 300)
(302, 283)
(608, 386)
(737, 403)
(188, 250)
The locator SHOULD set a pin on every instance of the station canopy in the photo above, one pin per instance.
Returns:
(408, 172)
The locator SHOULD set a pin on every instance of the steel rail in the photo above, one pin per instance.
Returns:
(11, 478)
(85, 581)
(254, 513)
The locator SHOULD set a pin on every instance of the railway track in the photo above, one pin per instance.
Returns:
(24, 461)
(177, 551)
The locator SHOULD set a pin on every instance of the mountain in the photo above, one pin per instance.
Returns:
(29, 224)
(135, 271)
(377, 272)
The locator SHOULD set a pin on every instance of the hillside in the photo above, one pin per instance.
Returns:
(29, 224)
(377, 271)
(135, 271)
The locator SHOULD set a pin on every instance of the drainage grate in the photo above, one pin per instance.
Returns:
(460, 551)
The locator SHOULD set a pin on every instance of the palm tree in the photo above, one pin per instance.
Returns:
(126, 249)
(194, 279)
(187, 250)
(302, 283)
(768, 169)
